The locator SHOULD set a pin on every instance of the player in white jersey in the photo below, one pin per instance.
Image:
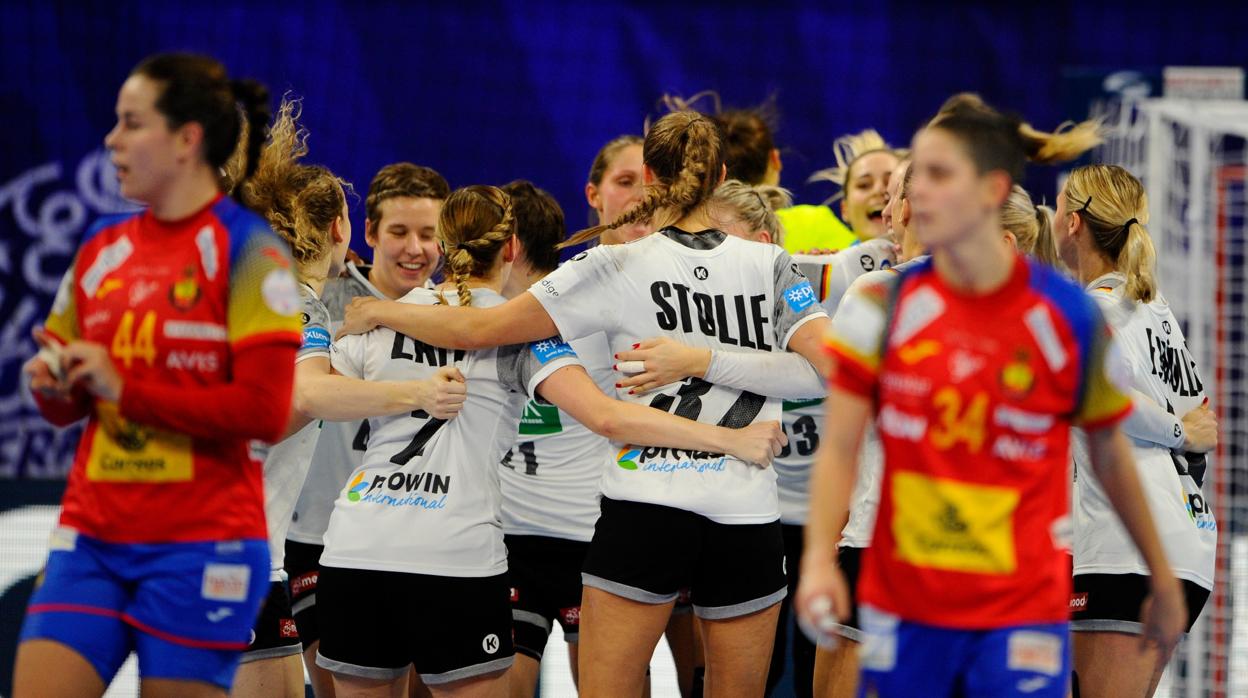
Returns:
(749, 212)
(710, 290)
(1101, 214)
(549, 475)
(306, 205)
(421, 518)
(401, 215)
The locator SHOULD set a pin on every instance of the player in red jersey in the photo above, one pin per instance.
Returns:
(174, 333)
(975, 366)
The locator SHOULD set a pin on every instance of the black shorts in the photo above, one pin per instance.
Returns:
(850, 562)
(1112, 602)
(374, 624)
(545, 575)
(275, 634)
(648, 553)
(303, 565)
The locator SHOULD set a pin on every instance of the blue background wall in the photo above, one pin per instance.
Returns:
(491, 91)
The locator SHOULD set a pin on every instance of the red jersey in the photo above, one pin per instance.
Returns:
(172, 301)
(975, 397)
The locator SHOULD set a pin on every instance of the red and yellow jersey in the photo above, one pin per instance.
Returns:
(975, 397)
(172, 302)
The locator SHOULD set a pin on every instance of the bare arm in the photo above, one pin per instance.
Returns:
(1115, 468)
(322, 394)
(575, 393)
(521, 319)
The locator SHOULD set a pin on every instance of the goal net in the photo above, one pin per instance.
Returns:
(1192, 159)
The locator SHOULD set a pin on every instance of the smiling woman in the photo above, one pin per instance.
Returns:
(864, 163)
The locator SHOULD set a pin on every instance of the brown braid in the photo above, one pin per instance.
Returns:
(685, 152)
(474, 225)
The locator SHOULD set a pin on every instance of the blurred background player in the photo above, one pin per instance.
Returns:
(1102, 212)
(864, 162)
(134, 566)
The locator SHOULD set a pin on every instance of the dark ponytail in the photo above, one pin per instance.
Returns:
(253, 99)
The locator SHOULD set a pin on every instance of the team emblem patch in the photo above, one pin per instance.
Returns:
(185, 292)
(1017, 376)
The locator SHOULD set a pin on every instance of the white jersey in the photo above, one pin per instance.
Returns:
(340, 449)
(550, 474)
(1163, 370)
(831, 276)
(426, 499)
(286, 462)
(704, 290)
(865, 499)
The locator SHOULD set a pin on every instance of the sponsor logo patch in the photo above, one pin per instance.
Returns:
(225, 582)
(548, 350)
(1035, 651)
(800, 296)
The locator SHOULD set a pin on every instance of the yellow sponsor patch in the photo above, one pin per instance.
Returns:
(124, 451)
(951, 525)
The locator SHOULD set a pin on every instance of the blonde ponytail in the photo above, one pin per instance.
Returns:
(684, 150)
(475, 223)
(1113, 206)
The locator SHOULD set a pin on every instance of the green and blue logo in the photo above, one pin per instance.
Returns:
(627, 458)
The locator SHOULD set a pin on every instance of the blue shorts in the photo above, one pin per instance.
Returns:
(186, 609)
(899, 658)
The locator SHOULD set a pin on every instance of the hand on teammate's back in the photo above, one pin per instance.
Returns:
(659, 361)
(356, 318)
(1200, 428)
(447, 393)
(758, 443)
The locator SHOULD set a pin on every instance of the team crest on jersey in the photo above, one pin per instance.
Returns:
(1017, 376)
(185, 292)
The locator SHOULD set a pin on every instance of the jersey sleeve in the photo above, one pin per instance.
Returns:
(1103, 400)
(316, 334)
(579, 295)
(856, 339)
(523, 367)
(796, 301)
(347, 355)
(62, 321)
(264, 298)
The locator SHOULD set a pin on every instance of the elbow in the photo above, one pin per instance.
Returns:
(606, 423)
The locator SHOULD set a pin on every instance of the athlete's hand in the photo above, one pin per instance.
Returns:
(822, 598)
(444, 393)
(46, 367)
(757, 443)
(90, 365)
(1200, 429)
(358, 318)
(658, 361)
(1164, 615)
